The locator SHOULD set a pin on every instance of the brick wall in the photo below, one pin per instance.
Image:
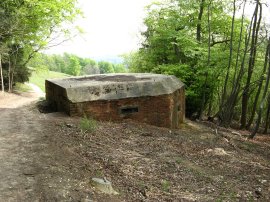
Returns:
(56, 96)
(164, 110)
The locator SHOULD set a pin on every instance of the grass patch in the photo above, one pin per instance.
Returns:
(21, 87)
(249, 146)
(99, 173)
(165, 185)
(88, 124)
(38, 78)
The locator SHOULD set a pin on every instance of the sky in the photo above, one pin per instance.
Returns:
(111, 28)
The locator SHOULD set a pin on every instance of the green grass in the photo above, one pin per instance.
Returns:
(21, 87)
(38, 78)
(88, 124)
(165, 185)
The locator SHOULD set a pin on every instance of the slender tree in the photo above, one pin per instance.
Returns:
(228, 102)
(251, 63)
(239, 44)
(177, 42)
(1, 74)
(224, 94)
(208, 59)
(29, 25)
(260, 85)
(199, 23)
(264, 96)
(267, 117)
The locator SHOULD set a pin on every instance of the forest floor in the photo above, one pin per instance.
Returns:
(46, 157)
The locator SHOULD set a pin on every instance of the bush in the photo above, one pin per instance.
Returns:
(88, 124)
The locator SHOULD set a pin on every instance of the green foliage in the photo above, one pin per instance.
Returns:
(137, 62)
(119, 68)
(165, 185)
(88, 124)
(12, 62)
(171, 46)
(38, 77)
(105, 67)
(21, 87)
(26, 27)
(74, 65)
(89, 66)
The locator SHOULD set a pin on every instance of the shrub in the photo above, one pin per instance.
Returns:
(88, 124)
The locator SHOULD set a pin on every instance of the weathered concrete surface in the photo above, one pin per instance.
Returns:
(116, 86)
(150, 98)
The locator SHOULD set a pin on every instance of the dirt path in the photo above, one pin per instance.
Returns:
(33, 166)
(18, 132)
(47, 157)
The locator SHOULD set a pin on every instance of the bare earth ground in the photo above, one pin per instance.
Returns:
(46, 157)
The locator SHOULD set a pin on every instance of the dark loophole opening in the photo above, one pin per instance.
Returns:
(129, 110)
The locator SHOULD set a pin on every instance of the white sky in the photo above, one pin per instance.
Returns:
(111, 28)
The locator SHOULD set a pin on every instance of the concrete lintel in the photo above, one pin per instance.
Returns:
(117, 86)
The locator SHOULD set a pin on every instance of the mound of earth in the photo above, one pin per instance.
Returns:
(48, 157)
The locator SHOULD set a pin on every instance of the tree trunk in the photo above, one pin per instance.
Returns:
(224, 94)
(239, 44)
(210, 106)
(251, 64)
(12, 66)
(9, 74)
(252, 135)
(267, 118)
(199, 23)
(203, 101)
(259, 88)
(1, 74)
(226, 111)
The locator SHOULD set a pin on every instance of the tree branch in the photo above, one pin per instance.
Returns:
(217, 42)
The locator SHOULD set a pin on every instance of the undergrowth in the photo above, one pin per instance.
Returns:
(88, 124)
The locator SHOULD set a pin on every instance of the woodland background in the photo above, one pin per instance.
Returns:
(219, 49)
